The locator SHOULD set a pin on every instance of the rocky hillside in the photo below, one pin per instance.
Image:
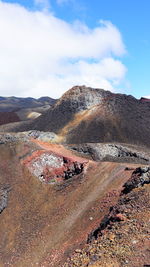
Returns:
(93, 115)
(54, 199)
(123, 236)
(51, 199)
(87, 115)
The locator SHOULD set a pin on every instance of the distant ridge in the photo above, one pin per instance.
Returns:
(15, 109)
(8, 104)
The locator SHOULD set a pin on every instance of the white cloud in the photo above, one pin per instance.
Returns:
(41, 54)
(42, 3)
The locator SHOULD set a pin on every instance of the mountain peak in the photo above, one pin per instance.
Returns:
(83, 90)
(81, 97)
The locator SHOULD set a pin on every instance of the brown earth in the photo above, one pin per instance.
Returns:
(8, 117)
(43, 223)
(123, 237)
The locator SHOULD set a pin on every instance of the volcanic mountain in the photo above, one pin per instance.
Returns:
(85, 114)
(93, 115)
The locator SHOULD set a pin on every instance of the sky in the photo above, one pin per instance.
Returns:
(49, 46)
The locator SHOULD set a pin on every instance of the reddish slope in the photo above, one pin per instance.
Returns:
(43, 223)
(123, 236)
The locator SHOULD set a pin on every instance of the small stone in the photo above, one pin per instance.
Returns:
(134, 241)
(85, 262)
(120, 217)
(111, 236)
(93, 250)
(78, 250)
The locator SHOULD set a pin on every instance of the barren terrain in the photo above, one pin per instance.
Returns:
(43, 223)
(75, 181)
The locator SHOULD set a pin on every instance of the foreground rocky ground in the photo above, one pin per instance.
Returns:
(49, 208)
(123, 237)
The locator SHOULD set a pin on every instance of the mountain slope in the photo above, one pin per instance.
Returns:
(87, 115)
(8, 117)
(42, 221)
(123, 237)
(93, 115)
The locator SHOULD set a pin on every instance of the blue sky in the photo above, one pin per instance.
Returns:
(130, 19)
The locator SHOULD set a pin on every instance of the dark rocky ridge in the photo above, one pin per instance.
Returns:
(139, 177)
(112, 152)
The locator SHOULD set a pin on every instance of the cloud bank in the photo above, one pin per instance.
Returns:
(41, 54)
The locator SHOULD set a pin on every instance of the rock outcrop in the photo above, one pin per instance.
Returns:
(112, 152)
(50, 167)
(4, 190)
(139, 177)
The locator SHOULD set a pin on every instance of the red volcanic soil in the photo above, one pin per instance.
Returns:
(123, 237)
(43, 223)
(8, 117)
(54, 163)
(57, 149)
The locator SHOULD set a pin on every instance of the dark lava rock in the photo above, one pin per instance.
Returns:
(139, 177)
(111, 152)
(4, 190)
